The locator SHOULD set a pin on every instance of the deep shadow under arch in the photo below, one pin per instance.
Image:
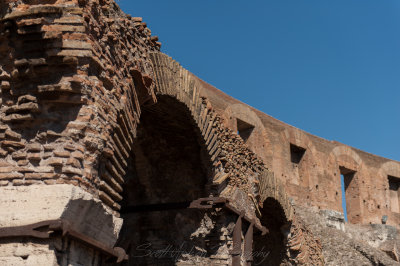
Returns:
(274, 243)
(168, 169)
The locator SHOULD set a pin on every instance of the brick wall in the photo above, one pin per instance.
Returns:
(76, 78)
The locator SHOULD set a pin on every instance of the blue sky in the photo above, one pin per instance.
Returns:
(331, 68)
(344, 207)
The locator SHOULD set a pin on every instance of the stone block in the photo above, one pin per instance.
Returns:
(63, 154)
(27, 205)
(12, 135)
(12, 175)
(19, 155)
(17, 118)
(13, 144)
(34, 157)
(72, 170)
(26, 99)
(63, 28)
(22, 162)
(34, 147)
(55, 161)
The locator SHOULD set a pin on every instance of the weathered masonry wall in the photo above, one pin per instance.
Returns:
(89, 140)
(107, 145)
(238, 173)
(73, 77)
(310, 167)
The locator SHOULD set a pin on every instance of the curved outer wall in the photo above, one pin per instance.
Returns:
(315, 181)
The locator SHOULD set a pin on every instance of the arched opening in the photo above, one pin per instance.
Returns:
(271, 249)
(168, 170)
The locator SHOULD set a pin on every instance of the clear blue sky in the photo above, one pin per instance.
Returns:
(344, 207)
(331, 68)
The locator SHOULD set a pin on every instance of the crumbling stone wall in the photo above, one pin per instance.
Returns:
(88, 109)
(237, 173)
(314, 180)
(349, 243)
(68, 85)
(75, 79)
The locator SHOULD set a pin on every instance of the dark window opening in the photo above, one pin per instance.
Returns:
(244, 129)
(348, 176)
(394, 185)
(296, 153)
(348, 195)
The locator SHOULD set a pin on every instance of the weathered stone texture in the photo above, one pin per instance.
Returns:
(30, 204)
(352, 244)
(315, 179)
(97, 126)
(71, 89)
(238, 173)
(20, 253)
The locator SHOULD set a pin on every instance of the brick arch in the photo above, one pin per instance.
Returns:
(350, 164)
(260, 185)
(272, 217)
(390, 168)
(302, 174)
(167, 170)
(168, 143)
(173, 80)
(243, 112)
(115, 157)
(347, 157)
(389, 172)
(271, 187)
(170, 80)
(243, 120)
(300, 138)
(287, 228)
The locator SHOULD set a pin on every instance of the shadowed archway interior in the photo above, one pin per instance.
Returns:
(271, 249)
(168, 169)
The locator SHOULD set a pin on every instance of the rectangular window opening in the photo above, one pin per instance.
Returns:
(394, 185)
(296, 153)
(244, 129)
(348, 195)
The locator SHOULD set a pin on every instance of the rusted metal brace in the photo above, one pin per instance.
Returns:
(221, 202)
(208, 203)
(236, 252)
(46, 228)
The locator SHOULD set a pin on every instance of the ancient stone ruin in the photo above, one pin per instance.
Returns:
(112, 153)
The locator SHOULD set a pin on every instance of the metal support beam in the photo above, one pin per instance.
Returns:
(45, 229)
